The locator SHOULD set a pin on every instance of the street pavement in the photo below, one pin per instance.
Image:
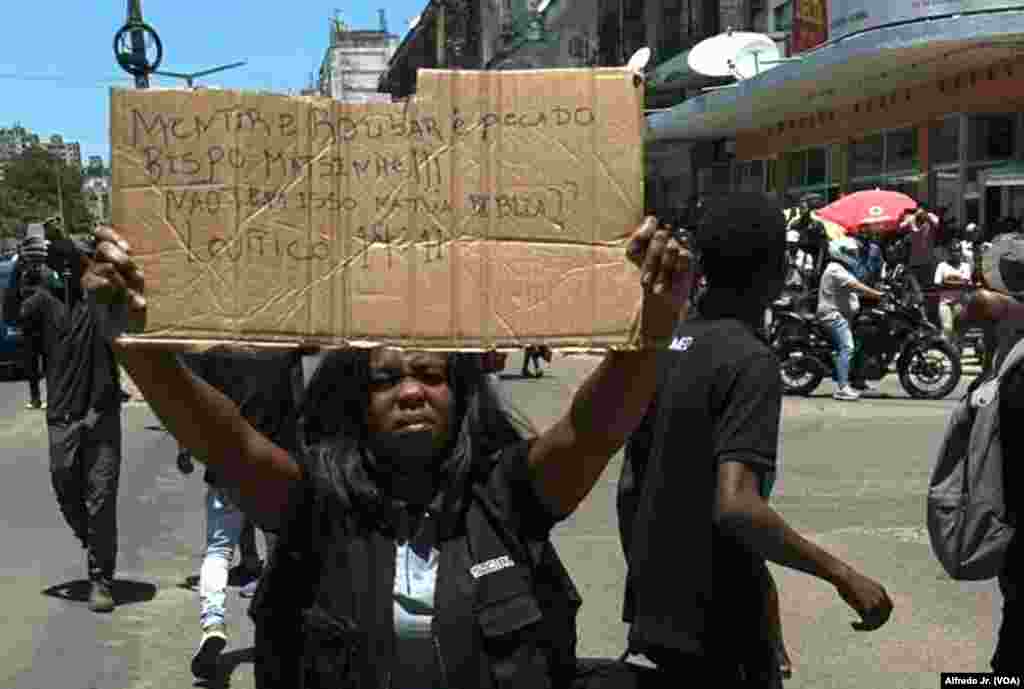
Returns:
(853, 480)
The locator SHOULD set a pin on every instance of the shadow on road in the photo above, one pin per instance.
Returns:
(191, 583)
(124, 592)
(227, 664)
(520, 376)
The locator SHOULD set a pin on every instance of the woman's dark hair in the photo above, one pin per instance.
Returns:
(333, 432)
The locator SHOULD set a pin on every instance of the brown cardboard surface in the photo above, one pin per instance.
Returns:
(489, 211)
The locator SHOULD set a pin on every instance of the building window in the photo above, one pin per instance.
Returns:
(749, 176)
(817, 166)
(944, 141)
(945, 189)
(901, 150)
(867, 157)
(784, 16)
(798, 169)
(670, 40)
(991, 137)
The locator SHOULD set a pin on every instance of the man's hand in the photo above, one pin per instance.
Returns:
(666, 269)
(112, 279)
(867, 598)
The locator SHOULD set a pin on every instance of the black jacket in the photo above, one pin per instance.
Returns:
(324, 615)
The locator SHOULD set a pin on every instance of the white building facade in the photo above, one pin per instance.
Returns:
(354, 63)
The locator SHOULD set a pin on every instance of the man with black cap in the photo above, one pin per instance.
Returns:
(717, 410)
(1001, 309)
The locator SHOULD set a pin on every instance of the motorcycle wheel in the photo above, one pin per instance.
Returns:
(930, 371)
(801, 373)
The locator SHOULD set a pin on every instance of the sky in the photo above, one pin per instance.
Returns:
(57, 61)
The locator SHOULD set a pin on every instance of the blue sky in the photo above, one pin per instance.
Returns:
(57, 63)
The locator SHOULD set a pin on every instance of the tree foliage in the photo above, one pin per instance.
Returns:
(28, 193)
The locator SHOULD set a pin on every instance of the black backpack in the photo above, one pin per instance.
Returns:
(296, 640)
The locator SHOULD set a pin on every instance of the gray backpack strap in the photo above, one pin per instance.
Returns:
(986, 392)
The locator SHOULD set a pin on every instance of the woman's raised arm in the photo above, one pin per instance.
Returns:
(201, 418)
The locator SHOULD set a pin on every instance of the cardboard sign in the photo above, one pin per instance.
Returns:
(491, 210)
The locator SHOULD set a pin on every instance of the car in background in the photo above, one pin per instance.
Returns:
(12, 341)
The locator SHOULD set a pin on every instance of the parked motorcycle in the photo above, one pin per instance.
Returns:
(894, 331)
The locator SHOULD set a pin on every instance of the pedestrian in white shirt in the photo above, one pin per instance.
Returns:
(953, 273)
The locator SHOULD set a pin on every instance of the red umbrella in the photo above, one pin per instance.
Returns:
(873, 210)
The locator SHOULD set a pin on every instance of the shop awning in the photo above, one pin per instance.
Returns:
(847, 71)
(1008, 175)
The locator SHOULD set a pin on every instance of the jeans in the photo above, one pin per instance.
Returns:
(224, 524)
(85, 468)
(948, 313)
(842, 338)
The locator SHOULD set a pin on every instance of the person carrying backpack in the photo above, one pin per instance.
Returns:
(976, 487)
(415, 512)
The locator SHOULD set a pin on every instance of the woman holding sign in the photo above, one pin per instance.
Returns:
(415, 519)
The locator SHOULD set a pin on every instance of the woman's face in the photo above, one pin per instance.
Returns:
(409, 394)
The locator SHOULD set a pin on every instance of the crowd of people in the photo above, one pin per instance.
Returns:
(409, 507)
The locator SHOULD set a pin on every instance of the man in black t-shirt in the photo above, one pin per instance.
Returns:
(717, 410)
(84, 425)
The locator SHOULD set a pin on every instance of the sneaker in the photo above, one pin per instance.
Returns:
(846, 394)
(185, 464)
(864, 386)
(100, 597)
(204, 662)
(249, 590)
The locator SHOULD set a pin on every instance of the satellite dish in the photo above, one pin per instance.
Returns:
(755, 57)
(739, 54)
(639, 61)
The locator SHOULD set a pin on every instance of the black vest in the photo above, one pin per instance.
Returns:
(324, 611)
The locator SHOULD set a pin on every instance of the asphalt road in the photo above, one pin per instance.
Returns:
(853, 479)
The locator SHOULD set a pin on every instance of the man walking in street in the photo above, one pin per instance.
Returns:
(83, 418)
(31, 281)
(953, 274)
(266, 386)
(718, 408)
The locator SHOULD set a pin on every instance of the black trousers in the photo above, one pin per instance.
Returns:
(35, 364)
(85, 467)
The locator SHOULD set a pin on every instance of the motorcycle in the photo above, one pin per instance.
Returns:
(894, 331)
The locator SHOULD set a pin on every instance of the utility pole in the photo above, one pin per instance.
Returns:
(138, 41)
(442, 35)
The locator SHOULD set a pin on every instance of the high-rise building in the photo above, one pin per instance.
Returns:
(355, 60)
(13, 141)
(68, 151)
